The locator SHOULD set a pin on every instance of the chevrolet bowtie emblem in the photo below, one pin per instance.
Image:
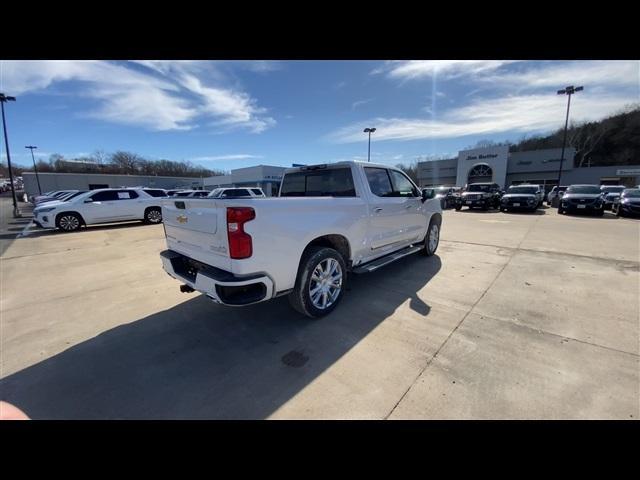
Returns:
(182, 219)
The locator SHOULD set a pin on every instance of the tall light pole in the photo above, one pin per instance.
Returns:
(369, 131)
(568, 91)
(35, 169)
(5, 98)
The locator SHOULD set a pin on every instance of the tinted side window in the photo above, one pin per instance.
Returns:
(379, 181)
(235, 192)
(156, 193)
(402, 186)
(256, 191)
(333, 182)
(106, 196)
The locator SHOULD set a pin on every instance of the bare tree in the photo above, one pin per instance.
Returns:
(126, 162)
(586, 139)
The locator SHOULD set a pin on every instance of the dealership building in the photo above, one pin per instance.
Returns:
(266, 177)
(51, 181)
(263, 176)
(498, 165)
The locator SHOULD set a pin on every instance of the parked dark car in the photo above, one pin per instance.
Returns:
(610, 193)
(628, 203)
(480, 195)
(582, 198)
(447, 196)
(521, 197)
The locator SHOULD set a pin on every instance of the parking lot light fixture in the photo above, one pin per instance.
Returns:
(369, 131)
(3, 99)
(35, 168)
(568, 91)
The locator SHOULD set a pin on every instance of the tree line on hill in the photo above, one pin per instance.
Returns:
(120, 162)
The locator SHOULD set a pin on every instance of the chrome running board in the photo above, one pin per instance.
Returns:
(387, 259)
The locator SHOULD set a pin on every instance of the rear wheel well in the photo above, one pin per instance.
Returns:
(337, 242)
(82, 222)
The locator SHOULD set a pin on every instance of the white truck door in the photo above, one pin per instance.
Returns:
(392, 218)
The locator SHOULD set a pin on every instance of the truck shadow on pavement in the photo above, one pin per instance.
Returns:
(199, 360)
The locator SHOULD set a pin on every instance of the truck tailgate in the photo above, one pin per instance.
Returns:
(197, 228)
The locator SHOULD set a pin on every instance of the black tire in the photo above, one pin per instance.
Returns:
(458, 208)
(153, 215)
(69, 222)
(619, 212)
(432, 238)
(600, 213)
(300, 298)
(503, 209)
(560, 210)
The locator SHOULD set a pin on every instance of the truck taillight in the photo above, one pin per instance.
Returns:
(240, 244)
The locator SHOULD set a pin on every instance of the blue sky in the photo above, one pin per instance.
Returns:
(228, 115)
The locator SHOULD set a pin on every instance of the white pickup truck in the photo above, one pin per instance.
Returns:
(328, 221)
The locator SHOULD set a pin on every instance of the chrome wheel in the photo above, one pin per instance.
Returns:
(434, 237)
(326, 283)
(154, 216)
(69, 223)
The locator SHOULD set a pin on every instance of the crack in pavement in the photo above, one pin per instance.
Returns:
(455, 329)
(550, 252)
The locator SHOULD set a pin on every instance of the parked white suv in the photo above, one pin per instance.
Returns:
(99, 206)
(249, 192)
(191, 193)
(329, 221)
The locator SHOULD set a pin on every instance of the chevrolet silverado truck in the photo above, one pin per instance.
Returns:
(328, 221)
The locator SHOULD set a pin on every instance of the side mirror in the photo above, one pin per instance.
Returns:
(428, 193)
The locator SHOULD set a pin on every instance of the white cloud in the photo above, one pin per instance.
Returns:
(415, 69)
(556, 75)
(526, 113)
(168, 95)
(358, 103)
(239, 156)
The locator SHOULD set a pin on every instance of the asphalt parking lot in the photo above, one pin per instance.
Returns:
(518, 316)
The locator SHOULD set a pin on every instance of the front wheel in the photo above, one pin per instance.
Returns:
(458, 208)
(320, 283)
(560, 210)
(68, 222)
(432, 238)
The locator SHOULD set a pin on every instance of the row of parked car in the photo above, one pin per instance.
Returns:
(68, 210)
(622, 201)
(596, 199)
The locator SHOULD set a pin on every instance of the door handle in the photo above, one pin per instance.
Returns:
(377, 210)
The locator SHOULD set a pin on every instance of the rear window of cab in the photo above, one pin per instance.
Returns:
(331, 182)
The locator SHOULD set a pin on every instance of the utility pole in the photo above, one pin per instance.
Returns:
(35, 169)
(3, 99)
(369, 131)
(568, 91)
